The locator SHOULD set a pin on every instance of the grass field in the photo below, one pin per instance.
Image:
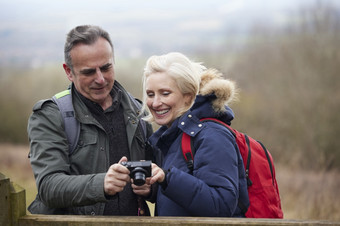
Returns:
(304, 195)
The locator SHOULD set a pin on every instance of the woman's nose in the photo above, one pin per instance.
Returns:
(156, 101)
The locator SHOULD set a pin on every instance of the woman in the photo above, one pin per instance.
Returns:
(177, 93)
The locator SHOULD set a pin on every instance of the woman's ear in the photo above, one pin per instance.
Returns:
(188, 99)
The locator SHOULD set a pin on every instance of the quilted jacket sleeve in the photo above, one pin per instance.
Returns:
(213, 189)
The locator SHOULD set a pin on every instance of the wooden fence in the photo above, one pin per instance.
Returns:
(13, 213)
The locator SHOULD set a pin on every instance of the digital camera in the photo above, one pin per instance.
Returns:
(139, 170)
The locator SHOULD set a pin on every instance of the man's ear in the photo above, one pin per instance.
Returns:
(68, 72)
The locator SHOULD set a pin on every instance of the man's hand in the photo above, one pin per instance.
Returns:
(143, 190)
(116, 178)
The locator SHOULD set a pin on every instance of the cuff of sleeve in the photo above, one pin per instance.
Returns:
(103, 196)
(110, 197)
(164, 183)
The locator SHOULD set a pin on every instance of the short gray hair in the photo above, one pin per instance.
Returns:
(85, 34)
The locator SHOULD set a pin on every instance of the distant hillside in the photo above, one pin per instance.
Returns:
(33, 34)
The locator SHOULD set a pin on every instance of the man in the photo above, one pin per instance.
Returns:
(89, 179)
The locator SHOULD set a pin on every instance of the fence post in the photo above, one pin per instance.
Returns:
(12, 202)
(5, 212)
(18, 203)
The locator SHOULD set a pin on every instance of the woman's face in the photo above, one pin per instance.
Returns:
(164, 99)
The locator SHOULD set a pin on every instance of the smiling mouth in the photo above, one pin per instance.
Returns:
(162, 112)
(98, 89)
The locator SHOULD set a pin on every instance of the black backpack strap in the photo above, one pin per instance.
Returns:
(249, 182)
(71, 125)
(269, 160)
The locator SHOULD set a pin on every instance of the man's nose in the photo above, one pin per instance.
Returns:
(99, 76)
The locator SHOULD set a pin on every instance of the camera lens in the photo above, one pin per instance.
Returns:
(138, 176)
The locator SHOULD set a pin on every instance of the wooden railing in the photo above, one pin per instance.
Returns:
(12, 202)
(13, 213)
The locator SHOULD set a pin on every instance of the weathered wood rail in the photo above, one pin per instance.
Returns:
(13, 213)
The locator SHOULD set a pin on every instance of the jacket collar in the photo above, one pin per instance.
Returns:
(190, 123)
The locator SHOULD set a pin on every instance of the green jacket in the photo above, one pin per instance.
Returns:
(74, 184)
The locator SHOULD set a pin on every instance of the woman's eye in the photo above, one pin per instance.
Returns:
(166, 93)
(150, 94)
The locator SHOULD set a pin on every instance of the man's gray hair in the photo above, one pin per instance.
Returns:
(85, 34)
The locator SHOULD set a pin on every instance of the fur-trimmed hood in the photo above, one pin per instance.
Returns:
(212, 82)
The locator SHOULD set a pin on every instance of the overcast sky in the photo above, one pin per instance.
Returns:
(134, 24)
(74, 12)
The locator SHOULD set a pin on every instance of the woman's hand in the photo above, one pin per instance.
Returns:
(158, 174)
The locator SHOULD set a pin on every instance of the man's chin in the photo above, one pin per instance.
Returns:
(98, 98)
(100, 94)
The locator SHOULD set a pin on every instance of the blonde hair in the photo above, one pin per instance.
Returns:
(186, 74)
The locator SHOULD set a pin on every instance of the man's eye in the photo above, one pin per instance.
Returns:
(106, 68)
(88, 72)
(150, 94)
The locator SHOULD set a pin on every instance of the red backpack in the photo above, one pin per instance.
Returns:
(263, 191)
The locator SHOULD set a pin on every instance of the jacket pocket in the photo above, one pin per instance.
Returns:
(87, 138)
(88, 155)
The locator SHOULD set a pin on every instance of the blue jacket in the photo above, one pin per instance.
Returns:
(217, 183)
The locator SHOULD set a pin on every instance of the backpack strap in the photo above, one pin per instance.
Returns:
(72, 126)
(269, 161)
(187, 145)
(249, 182)
(187, 148)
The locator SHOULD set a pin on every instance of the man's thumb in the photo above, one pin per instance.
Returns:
(123, 159)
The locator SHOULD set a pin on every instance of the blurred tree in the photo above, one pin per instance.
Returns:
(291, 88)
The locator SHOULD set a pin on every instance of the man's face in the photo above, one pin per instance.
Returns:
(93, 71)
